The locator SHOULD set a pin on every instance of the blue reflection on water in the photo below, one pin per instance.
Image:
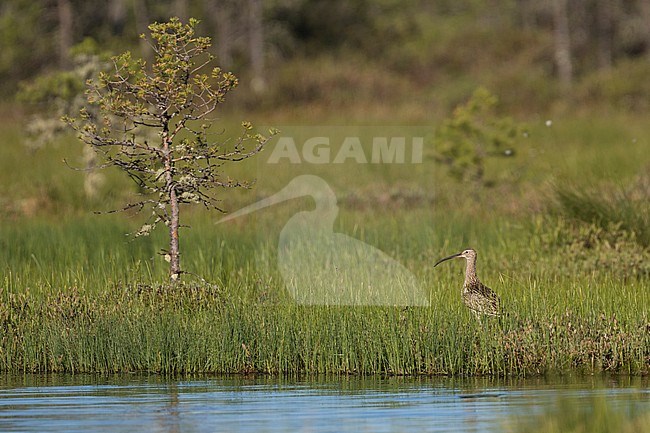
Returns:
(82, 404)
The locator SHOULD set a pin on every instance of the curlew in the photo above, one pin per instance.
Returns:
(478, 297)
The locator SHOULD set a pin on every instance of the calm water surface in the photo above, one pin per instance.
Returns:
(155, 404)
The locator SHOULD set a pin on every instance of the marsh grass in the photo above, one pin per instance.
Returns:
(243, 320)
(625, 209)
(124, 333)
(78, 295)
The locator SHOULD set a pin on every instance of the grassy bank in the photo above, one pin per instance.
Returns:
(570, 263)
(95, 306)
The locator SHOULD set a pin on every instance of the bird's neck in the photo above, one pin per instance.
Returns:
(470, 272)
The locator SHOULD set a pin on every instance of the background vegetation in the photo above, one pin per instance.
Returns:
(560, 222)
(426, 56)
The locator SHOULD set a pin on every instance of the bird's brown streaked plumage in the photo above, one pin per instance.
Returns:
(478, 297)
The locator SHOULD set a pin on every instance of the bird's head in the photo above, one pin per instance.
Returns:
(468, 254)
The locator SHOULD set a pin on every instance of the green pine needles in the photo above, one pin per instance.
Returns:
(154, 124)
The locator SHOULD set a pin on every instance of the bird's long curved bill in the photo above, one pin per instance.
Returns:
(279, 197)
(453, 256)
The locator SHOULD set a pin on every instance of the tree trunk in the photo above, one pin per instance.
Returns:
(117, 15)
(562, 42)
(221, 13)
(173, 216)
(525, 15)
(174, 254)
(604, 27)
(180, 9)
(645, 17)
(64, 11)
(141, 24)
(256, 45)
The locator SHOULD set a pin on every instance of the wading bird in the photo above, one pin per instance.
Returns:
(478, 297)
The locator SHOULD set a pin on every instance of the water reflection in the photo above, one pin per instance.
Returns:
(82, 403)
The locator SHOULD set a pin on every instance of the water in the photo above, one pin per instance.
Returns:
(236, 404)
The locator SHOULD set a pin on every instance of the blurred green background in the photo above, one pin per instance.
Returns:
(570, 77)
(371, 57)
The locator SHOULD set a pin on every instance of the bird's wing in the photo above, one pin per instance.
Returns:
(487, 292)
(491, 297)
